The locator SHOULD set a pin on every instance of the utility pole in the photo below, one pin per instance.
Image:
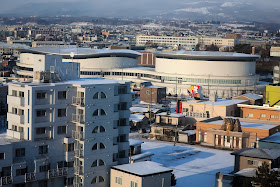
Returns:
(175, 136)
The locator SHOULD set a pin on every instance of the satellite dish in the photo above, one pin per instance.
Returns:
(72, 54)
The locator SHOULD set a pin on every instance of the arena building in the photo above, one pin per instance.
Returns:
(223, 73)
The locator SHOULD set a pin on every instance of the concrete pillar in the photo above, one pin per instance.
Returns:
(240, 143)
(216, 140)
(234, 142)
(222, 141)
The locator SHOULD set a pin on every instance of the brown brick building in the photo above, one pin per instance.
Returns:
(147, 59)
(152, 94)
(259, 112)
(235, 133)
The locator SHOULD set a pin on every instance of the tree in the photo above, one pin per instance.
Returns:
(266, 177)
(173, 180)
(212, 47)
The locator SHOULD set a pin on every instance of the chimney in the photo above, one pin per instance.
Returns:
(253, 50)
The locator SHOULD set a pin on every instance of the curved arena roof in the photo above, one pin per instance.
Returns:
(206, 55)
(80, 53)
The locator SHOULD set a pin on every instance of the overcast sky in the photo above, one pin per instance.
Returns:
(251, 9)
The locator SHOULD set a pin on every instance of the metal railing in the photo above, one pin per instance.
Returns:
(6, 180)
(78, 118)
(78, 135)
(30, 177)
(78, 170)
(78, 100)
(59, 172)
(79, 153)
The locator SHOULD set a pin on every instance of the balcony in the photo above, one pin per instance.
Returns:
(16, 101)
(15, 134)
(6, 180)
(78, 170)
(78, 135)
(78, 101)
(30, 177)
(79, 153)
(59, 172)
(14, 118)
(78, 118)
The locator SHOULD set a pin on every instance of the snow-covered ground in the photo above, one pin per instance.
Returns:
(192, 165)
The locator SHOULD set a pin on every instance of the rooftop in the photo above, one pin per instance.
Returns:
(4, 139)
(206, 55)
(270, 154)
(142, 169)
(219, 102)
(136, 117)
(275, 138)
(259, 107)
(133, 142)
(81, 52)
(255, 125)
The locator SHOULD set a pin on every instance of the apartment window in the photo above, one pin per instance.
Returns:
(2, 156)
(21, 171)
(118, 180)
(95, 113)
(122, 122)
(103, 95)
(122, 90)
(44, 168)
(69, 181)
(41, 95)
(133, 184)
(102, 129)
(95, 96)
(102, 146)
(101, 163)
(95, 130)
(69, 147)
(61, 112)
(41, 130)
(102, 112)
(263, 115)
(148, 92)
(43, 149)
(94, 164)
(101, 179)
(94, 147)
(20, 152)
(14, 93)
(62, 95)
(274, 116)
(21, 94)
(41, 113)
(61, 130)
(70, 164)
(250, 115)
(228, 139)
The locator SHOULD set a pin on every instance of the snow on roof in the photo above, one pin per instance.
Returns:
(189, 132)
(275, 138)
(176, 115)
(133, 142)
(219, 102)
(4, 139)
(248, 125)
(142, 155)
(138, 109)
(207, 53)
(270, 154)
(253, 96)
(136, 117)
(247, 172)
(81, 51)
(143, 168)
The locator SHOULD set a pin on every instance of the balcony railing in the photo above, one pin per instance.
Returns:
(78, 101)
(78, 135)
(30, 177)
(79, 153)
(78, 118)
(6, 180)
(78, 170)
(59, 172)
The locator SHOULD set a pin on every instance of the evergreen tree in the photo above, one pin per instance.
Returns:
(266, 177)
(173, 180)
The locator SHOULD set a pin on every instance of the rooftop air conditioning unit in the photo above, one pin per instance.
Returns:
(265, 105)
(277, 106)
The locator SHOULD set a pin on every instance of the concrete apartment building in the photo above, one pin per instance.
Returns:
(259, 112)
(67, 132)
(219, 42)
(188, 43)
(141, 174)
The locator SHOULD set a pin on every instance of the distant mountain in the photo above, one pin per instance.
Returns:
(220, 10)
